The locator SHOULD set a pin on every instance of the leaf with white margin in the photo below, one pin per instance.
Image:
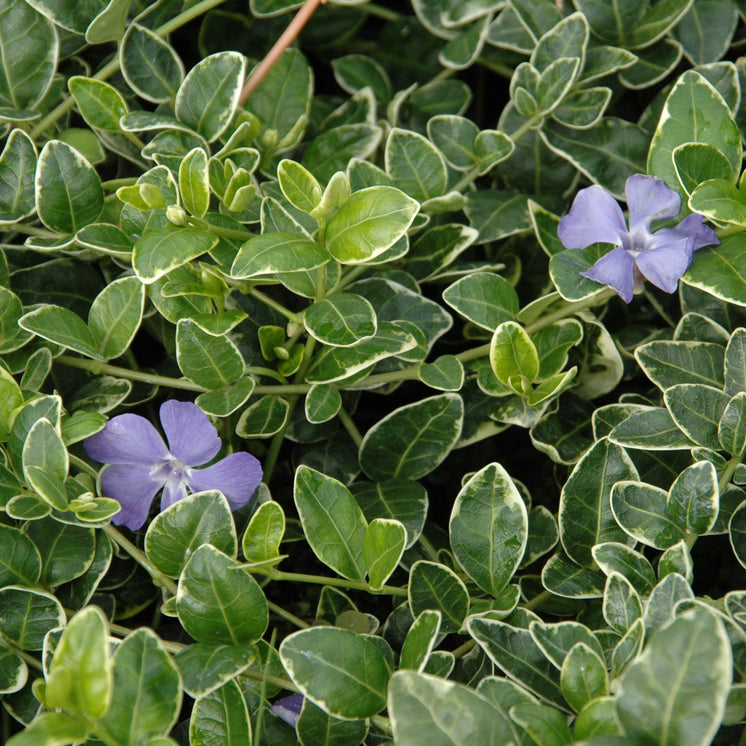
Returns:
(693, 657)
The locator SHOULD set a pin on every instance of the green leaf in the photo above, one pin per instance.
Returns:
(483, 298)
(162, 250)
(62, 326)
(115, 316)
(558, 639)
(420, 640)
(697, 410)
(341, 320)
(11, 397)
(220, 716)
(608, 153)
(445, 373)
(513, 357)
(226, 401)
(515, 652)
(100, 104)
(706, 30)
(109, 24)
(283, 98)
(334, 148)
(436, 587)
(20, 560)
(622, 606)
(68, 189)
(497, 214)
(489, 528)
(13, 671)
(68, 549)
(694, 498)
(194, 182)
(412, 440)
(204, 668)
(27, 615)
(693, 112)
(344, 673)
(218, 600)
(29, 53)
(261, 540)
(210, 361)
(585, 517)
(697, 162)
(564, 578)
(17, 171)
(148, 691)
(317, 728)
(150, 66)
(454, 137)
(50, 729)
(174, 534)
(332, 522)
(612, 556)
(651, 429)
(368, 223)
(641, 510)
(437, 248)
(45, 463)
(668, 363)
(323, 401)
(265, 417)
(715, 270)
(584, 108)
(415, 165)
(428, 709)
(732, 425)
(208, 96)
(403, 500)
(298, 184)
(269, 253)
(80, 677)
(692, 654)
(383, 546)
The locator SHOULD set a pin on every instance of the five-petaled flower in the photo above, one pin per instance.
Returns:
(140, 463)
(660, 257)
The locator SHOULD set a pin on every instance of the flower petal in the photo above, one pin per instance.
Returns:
(133, 487)
(617, 270)
(237, 476)
(173, 490)
(288, 708)
(648, 199)
(126, 439)
(693, 225)
(192, 438)
(595, 217)
(665, 265)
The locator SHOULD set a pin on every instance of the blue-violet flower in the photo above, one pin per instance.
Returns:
(660, 257)
(288, 708)
(140, 464)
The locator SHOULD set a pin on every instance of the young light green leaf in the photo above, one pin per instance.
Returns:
(100, 104)
(261, 540)
(368, 223)
(194, 182)
(383, 546)
(269, 253)
(45, 463)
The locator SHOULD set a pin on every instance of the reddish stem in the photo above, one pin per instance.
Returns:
(287, 38)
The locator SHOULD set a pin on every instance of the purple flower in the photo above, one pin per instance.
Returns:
(288, 708)
(140, 464)
(660, 257)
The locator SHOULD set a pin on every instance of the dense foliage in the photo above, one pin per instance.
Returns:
(499, 503)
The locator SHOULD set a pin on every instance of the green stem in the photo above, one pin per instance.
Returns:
(32, 230)
(95, 367)
(570, 310)
(659, 308)
(161, 580)
(356, 585)
(527, 126)
(462, 650)
(286, 312)
(350, 426)
(297, 621)
(83, 466)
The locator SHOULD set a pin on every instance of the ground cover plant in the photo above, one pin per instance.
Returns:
(386, 385)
